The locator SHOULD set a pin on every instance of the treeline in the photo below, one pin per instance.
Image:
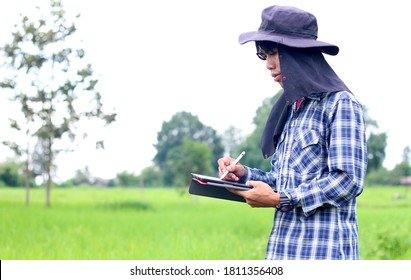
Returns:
(185, 145)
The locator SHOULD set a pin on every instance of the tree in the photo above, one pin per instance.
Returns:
(82, 177)
(190, 157)
(151, 176)
(127, 179)
(172, 136)
(53, 85)
(402, 170)
(376, 144)
(10, 173)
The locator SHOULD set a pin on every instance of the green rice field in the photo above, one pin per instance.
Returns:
(87, 223)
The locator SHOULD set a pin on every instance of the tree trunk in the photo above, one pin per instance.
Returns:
(27, 182)
(48, 189)
(27, 168)
(49, 160)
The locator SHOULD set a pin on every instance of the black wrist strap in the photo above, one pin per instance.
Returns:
(285, 204)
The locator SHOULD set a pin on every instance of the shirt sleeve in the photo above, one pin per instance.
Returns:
(254, 174)
(347, 161)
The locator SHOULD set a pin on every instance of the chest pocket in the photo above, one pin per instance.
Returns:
(307, 152)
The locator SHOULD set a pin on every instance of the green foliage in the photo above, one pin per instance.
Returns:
(127, 179)
(11, 174)
(384, 224)
(49, 78)
(82, 177)
(401, 170)
(151, 177)
(376, 144)
(390, 245)
(191, 156)
(170, 145)
(381, 176)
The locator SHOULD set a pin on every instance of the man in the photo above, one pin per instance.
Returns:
(315, 135)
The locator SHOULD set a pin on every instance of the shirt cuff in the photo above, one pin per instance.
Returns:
(246, 176)
(292, 195)
(285, 204)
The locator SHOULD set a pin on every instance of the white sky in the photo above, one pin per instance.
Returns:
(156, 58)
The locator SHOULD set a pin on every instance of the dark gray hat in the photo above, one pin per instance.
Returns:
(289, 26)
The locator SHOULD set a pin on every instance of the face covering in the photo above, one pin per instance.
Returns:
(305, 73)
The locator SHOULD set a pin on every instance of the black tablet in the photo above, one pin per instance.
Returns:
(214, 181)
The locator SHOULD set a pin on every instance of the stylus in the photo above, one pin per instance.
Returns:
(234, 163)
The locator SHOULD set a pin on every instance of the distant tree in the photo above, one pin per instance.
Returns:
(376, 144)
(10, 173)
(151, 177)
(82, 177)
(53, 85)
(190, 157)
(402, 169)
(127, 179)
(183, 125)
(380, 177)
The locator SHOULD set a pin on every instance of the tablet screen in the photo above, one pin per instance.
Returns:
(204, 179)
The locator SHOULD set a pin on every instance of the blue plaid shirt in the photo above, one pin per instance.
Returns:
(320, 164)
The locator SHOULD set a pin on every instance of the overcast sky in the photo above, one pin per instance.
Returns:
(156, 58)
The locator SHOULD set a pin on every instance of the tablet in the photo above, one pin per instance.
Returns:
(215, 188)
(214, 181)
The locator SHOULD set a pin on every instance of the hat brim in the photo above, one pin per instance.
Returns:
(288, 41)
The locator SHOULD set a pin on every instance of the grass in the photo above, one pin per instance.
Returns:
(385, 224)
(117, 223)
(160, 224)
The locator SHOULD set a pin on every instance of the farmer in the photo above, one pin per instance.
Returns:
(315, 136)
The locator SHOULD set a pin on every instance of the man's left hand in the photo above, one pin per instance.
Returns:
(261, 195)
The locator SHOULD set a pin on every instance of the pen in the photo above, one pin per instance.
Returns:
(234, 163)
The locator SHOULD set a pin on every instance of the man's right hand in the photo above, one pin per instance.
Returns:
(235, 172)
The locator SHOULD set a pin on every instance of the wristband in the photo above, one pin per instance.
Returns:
(285, 204)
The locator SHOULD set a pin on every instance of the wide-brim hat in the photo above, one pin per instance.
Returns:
(291, 27)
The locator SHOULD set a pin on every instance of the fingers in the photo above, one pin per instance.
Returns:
(223, 163)
(224, 166)
(249, 195)
(235, 172)
(243, 194)
(251, 183)
(261, 195)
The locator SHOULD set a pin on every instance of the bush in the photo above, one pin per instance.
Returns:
(11, 174)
